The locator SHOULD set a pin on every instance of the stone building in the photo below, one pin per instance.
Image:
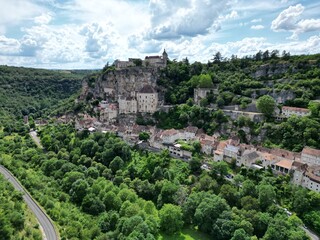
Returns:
(201, 93)
(156, 61)
(149, 61)
(108, 112)
(127, 105)
(300, 112)
(147, 100)
(306, 176)
(310, 156)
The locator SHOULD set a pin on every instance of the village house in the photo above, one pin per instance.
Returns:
(155, 139)
(127, 105)
(190, 132)
(307, 176)
(208, 146)
(234, 115)
(147, 99)
(108, 112)
(268, 159)
(231, 152)
(284, 166)
(310, 156)
(248, 158)
(312, 178)
(176, 150)
(170, 136)
(300, 112)
(218, 154)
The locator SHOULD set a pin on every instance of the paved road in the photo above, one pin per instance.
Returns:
(35, 138)
(46, 224)
(311, 234)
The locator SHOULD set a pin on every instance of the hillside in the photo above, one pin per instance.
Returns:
(35, 92)
(212, 96)
(96, 186)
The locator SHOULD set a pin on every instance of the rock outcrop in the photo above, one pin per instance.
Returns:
(125, 82)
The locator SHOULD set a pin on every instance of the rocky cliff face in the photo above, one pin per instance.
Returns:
(124, 82)
(270, 70)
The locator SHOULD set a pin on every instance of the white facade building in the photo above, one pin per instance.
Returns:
(310, 156)
(127, 105)
(147, 99)
(289, 111)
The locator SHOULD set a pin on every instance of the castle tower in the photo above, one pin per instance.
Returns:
(165, 57)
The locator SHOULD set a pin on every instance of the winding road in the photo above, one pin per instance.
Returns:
(45, 222)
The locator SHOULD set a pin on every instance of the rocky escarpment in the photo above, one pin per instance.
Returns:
(124, 82)
(270, 70)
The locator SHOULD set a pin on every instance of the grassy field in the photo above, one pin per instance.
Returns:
(185, 234)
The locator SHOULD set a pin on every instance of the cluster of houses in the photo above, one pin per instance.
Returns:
(304, 167)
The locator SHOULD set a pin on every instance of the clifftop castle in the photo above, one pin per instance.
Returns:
(149, 61)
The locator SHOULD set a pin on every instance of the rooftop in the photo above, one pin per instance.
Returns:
(285, 164)
(295, 109)
(147, 89)
(191, 129)
(251, 155)
(311, 151)
(169, 132)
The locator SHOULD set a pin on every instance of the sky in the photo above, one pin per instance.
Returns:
(87, 34)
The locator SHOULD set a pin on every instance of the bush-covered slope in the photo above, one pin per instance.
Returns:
(25, 91)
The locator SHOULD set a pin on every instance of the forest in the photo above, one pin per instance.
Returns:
(94, 186)
(36, 92)
(16, 220)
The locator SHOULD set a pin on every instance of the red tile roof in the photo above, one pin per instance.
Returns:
(295, 109)
(285, 164)
(311, 151)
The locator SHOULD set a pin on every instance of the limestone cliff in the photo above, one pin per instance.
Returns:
(124, 82)
(270, 70)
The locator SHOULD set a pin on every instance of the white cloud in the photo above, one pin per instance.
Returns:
(100, 38)
(253, 7)
(256, 20)
(44, 18)
(8, 46)
(128, 17)
(289, 20)
(257, 27)
(172, 20)
(14, 12)
(90, 33)
(232, 15)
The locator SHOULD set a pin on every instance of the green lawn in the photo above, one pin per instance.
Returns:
(185, 234)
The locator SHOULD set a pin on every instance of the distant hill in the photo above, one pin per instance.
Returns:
(29, 91)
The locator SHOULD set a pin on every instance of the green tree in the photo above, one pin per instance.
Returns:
(116, 164)
(240, 234)
(92, 205)
(170, 218)
(79, 190)
(144, 136)
(266, 105)
(205, 81)
(266, 196)
(208, 212)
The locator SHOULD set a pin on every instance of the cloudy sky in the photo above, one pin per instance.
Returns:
(72, 34)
